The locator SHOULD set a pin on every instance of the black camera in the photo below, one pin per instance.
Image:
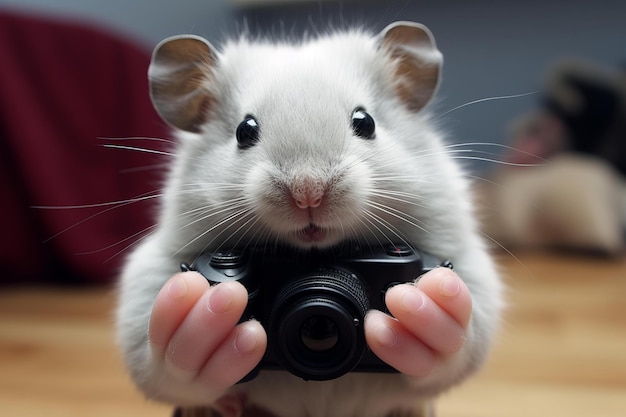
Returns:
(312, 303)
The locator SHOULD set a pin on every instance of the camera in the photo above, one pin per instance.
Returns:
(312, 304)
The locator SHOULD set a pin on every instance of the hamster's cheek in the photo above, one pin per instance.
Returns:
(268, 201)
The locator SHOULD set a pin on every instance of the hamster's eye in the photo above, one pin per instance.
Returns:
(247, 132)
(363, 124)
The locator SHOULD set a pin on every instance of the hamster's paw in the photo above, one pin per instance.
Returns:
(429, 322)
(195, 338)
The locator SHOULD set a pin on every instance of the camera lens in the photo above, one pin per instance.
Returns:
(316, 326)
(319, 334)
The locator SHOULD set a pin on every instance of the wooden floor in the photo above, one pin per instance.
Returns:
(561, 352)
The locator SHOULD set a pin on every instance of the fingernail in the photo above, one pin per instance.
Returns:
(386, 336)
(177, 288)
(246, 341)
(449, 287)
(412, 300)
(220, 299)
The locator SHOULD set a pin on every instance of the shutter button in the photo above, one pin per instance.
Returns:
(399, 250)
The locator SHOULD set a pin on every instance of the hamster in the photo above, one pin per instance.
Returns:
(308, 144)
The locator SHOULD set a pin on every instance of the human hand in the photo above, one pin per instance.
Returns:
(196, 339)
(429, 323)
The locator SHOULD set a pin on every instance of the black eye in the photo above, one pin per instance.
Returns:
(363, 124)
(247, 132)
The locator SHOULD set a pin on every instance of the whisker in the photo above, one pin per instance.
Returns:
(395, 196)
(364, 218)
(391, 197)
(242, 215)
(359, 232)
(382, 222)
(402, 178)
(254, 219)
(187, 213)
(126, 239)
(86, 219)
(413, 221)
(424, 153)
(212, 228)
(384, 192)
(497, 145)
(136, 138)
(109, 203)
(213, 211)
(510, 253)
(144, 168)
(482, 100)
(495, 161)
(112, 205)
(134, 148)
(487, 180)
(217, 186)
(457, 153)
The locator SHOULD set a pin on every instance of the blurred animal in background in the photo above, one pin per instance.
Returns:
(573, 196)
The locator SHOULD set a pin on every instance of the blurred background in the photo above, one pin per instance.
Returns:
(87, 60)
(490, 48)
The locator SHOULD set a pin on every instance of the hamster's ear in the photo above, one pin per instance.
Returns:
(179, 72)
(417, 62)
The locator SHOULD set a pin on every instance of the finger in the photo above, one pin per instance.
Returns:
(208, 323)
(236, 356)
(172, 305)
(396, 346)
(424, 319)
(450, 293)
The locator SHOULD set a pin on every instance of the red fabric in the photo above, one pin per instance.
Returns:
(63, 88)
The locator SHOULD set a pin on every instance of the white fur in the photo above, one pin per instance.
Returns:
(303, 97)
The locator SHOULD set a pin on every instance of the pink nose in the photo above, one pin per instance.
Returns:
(307, 193)
(308, 201)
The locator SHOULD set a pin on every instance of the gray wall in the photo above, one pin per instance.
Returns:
(491, 48)
(148, 21)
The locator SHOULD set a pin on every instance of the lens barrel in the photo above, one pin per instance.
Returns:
(316, 324)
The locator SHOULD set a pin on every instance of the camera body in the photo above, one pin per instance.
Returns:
(312, 304)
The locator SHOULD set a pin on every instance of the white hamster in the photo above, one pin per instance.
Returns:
(308, 143)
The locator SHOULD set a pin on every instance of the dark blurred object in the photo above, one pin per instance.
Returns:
(590, 100)
(584, 111)
(65, 88)
(575, 196)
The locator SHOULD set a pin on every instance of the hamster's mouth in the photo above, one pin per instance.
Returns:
(311, 234)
